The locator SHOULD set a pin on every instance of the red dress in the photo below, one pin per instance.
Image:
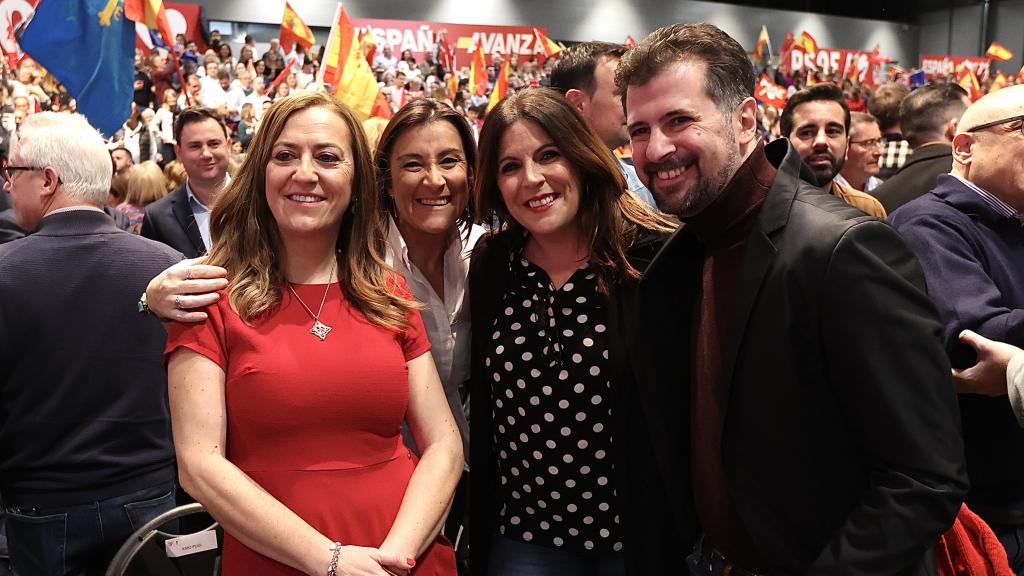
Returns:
(317, 424)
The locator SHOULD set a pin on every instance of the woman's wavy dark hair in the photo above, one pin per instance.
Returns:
(608, 214)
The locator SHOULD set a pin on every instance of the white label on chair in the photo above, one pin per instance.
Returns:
(191, 543)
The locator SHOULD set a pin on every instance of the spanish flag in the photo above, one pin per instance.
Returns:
(345, 68)
(999, 52)
(152, 14)
(550, 47)
(1000, 81)
(293, 29)
(478, 72)
(965, 77)
(369, 43)
(500, 87)
(806, 42)
(762, 43)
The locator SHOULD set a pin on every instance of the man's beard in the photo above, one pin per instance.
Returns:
(826, 174)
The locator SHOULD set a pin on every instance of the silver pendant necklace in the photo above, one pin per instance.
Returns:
(319, 329)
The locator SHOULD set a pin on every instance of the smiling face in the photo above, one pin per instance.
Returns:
(684, 149)
(539, 186)
(309, 176)
(819, 136)
(203, 151)
(429, 179)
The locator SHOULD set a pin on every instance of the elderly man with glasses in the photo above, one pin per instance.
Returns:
(85, 443)
(860, 171)
(968, 234)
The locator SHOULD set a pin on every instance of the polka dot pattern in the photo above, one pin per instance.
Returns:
(551, 404)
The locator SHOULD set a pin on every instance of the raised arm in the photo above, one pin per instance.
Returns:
(240, 505)
(429, 493)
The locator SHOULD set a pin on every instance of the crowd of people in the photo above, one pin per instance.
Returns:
(761, 342)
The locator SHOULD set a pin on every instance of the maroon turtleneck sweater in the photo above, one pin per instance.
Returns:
(722, 228)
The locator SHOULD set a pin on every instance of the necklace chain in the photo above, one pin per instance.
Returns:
(319, 329)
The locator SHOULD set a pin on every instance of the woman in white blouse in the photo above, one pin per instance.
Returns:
(425, 162)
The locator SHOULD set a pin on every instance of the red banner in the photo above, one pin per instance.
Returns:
(770, 93)
(832, 61)
(420, 37)
(12, 14)
(183, 18)
(942, 64)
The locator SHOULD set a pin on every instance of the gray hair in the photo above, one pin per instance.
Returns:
(73, 148)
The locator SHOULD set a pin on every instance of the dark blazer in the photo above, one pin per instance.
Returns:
(9, 229)
(841, 439)
(170, 220)
(916, 177)
(489, 276)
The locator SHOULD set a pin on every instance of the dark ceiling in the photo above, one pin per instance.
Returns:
(898, 10)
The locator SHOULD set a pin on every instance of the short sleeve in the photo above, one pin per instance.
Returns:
(412, 338)
(206, 338)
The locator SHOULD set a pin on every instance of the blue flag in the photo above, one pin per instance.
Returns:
(917, 79)
(89, 46)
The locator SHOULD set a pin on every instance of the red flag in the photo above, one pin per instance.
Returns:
(381, 107)
(500, 87)
(369, 42)
(785, 60)
(339, 45)
(445, 54)
(966, 78)
(280, 78)
(762, 43)
(152, 14)
(770, 93)
(478, 72)
(293, 29)
(806, 42)
(999, 52)
(550, 48)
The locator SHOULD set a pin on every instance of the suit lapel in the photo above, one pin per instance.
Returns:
(760, 255)
(183, 212)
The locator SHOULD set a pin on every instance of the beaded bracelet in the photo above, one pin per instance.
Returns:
(332, 569)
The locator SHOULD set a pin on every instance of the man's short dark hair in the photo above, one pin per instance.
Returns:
(729, 77)
(885, 105)
(925, 112)
(829, 92)
(576, 65)
(193, 115)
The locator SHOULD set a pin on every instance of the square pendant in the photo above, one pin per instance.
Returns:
(320, 330)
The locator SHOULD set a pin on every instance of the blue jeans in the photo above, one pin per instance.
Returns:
(514, 558)
(81, 539)
(1011, 536)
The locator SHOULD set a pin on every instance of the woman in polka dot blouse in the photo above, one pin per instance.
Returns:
(547, 292)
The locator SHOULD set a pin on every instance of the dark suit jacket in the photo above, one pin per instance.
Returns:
(9, 229)
(841, 439)
(489, 276)
(170, 220)
(916, 177)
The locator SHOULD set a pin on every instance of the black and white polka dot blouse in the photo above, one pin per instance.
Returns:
(551, 400)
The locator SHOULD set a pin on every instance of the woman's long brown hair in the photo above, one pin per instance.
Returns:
(247, 243)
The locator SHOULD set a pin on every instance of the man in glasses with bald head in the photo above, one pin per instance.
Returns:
(967, 233)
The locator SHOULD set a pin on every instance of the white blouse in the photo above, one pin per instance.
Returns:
(447, 321)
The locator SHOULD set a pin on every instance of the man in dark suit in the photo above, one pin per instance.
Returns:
(85, 443)
(929, 117)
(967, 233)
(182, 218)
(787, 360)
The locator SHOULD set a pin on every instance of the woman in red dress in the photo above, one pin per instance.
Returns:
(287, 402)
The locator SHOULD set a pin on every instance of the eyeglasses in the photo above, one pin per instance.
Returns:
(8, 171)
(871, 143)
(998, 122)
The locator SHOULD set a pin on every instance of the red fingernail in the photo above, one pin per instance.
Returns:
(410, 562)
